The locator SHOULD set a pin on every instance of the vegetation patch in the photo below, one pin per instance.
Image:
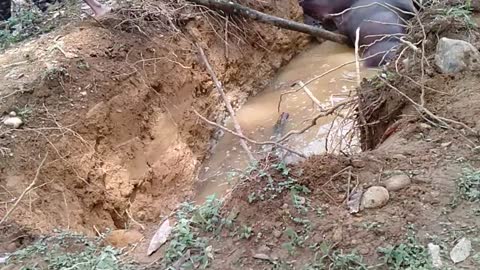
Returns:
(69, 251)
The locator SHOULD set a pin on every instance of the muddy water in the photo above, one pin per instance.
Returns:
(259, 115)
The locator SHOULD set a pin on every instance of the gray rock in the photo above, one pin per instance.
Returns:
(375, 197)
(434, 251)
(453, 56)
(397, 182)
(262, 256)
(3, 259)
(461, 250)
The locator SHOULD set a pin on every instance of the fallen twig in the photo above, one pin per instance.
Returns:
(218, 86)
(315, 118)
(241, 136)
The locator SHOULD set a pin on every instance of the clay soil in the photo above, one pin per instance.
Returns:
(110, 102)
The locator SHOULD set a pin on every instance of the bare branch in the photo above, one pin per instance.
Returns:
(234, 8)
(218, 86)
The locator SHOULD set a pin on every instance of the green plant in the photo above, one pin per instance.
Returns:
(55, 73)
(461, 12)
(371, 225)
(24, 112)
(327, 258)
(246, 232)
(409, 255)
(295, 241)
(300, 203)
(185, 235)
(468, 185)
(23, 25)
(207, 216)
(69, 251)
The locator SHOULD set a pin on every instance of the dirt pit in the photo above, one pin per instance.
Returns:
(110, 142)
(112, 109)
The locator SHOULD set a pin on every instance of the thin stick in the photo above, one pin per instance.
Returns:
(357, 57)
(312, 80)
(218, 86)
(313, 121)
(34, 182)
(309, 94)
(241, 136)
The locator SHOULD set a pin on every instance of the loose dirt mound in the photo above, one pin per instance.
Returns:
(110, 102)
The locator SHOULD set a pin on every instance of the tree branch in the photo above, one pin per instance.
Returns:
(234, 8)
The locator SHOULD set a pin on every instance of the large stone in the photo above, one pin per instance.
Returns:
(461, 250)
(375, 197)
(397, 182)
(455, 55)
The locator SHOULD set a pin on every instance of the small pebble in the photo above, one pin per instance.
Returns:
(262, 256)
(434, 251)
(374, 197)
(14, 122)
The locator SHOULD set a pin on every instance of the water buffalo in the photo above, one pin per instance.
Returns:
(381, 23)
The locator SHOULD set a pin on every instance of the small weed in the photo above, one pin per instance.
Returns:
(246, 232)
(468, 185)
(185, 235)
(319, 212)
(300, 203)
(251, 197)
(409, 255)
(68, 251)
(307, 224)
(371, 225)
(23, 25)
(82, 64)
(461, 12)
(295, 241)
(207, 216)
(24, 112)
(327, 258)
(55, 74)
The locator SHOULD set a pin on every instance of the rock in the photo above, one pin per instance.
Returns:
(160, 237)
(13, 122)
(123, 238)
(425, 126)
(434, 251)
(353, 202)
(374, 197)
(262, 256)
(397, 182)
(277, 233)
(3, 259)
(453, 56)
(461, 250)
